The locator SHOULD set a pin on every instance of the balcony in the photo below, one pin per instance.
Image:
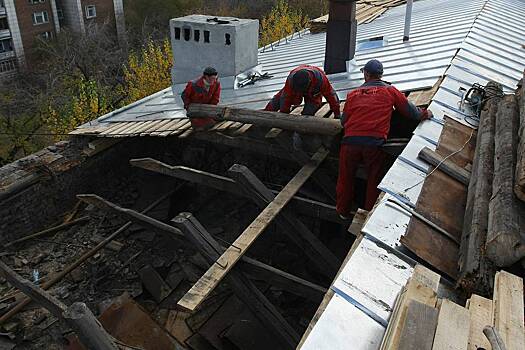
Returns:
(5, 34)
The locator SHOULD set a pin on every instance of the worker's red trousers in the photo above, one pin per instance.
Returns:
(350, 157)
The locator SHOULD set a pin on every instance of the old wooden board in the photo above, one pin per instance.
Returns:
(229, 258)
(480, 310)
(445, 208)
(508, 309)
(453, 326)
(420, 325)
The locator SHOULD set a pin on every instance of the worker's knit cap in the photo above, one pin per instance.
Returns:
(210, 71)
(301, 80)
(373, 67)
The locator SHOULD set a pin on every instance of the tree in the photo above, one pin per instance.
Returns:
(281, 22)
(147, 72)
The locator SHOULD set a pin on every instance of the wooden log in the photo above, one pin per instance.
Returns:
(504, 246)
(298, 123)
(508, 310)
(60, 275)
(88, 329)
(299, 204)
(251, 267)
(261, 308)
(420, 325)
(453, 326)
(447, 166)
(322, 258)
(216, 273)
(519, 181)
(475, 270)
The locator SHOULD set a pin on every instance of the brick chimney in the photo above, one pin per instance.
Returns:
(341, 33)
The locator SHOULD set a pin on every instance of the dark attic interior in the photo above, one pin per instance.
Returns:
(142, 232)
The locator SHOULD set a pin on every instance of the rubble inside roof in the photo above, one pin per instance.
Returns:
(144, 269)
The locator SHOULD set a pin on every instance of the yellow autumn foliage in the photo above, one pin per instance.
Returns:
(147, 72)
(282, 21)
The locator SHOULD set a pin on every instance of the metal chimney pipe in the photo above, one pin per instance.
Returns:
(341, 31)
(408, 20)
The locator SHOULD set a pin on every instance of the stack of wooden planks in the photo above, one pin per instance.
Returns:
(366, 12)
(422, 321)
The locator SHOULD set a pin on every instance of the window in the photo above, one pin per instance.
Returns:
(7, 66)
(5, 45)
(60, 14)
(228, 39)
(177, 33)
(206, 36)
(36, 1)
(40, 17)
(46, 35)
(3, 24)
(187, 34)
(91, 11)
(197, 35)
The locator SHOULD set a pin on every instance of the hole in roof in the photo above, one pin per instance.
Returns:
(371, 43)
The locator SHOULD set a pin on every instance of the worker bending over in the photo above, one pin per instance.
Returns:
(306, 82)
(366, 121)
(206, 90)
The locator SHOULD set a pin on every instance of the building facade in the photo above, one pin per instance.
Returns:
(22, 22)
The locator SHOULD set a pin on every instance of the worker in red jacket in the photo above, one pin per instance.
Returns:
(306, 82)
(206, 90)
(366, 121)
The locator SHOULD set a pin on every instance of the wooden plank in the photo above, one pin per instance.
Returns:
(274, 132)
(216, 273)
(453, 327)
(508, 310)
(358, 222)
(519, 181)
(99, 145)
(445, 165)
(421, 287)
(321, 258)
(183, 127)
(255, 300)
(420, 325)
(480, 311)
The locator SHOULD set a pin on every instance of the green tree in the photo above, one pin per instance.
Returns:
(282, 21)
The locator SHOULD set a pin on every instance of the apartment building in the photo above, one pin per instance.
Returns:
(22, 22)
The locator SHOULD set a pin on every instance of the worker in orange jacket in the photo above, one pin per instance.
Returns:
(206, 90)
(309, 83)
(366, 122)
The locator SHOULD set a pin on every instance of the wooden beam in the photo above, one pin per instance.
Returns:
(252, 267)
(299, 123)
(261, 308)
(480, 310)
(321, 258)
(224, 264)
(519, 181)
(504, 245)
(87, 327)
(447, 166)
(301, 205)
